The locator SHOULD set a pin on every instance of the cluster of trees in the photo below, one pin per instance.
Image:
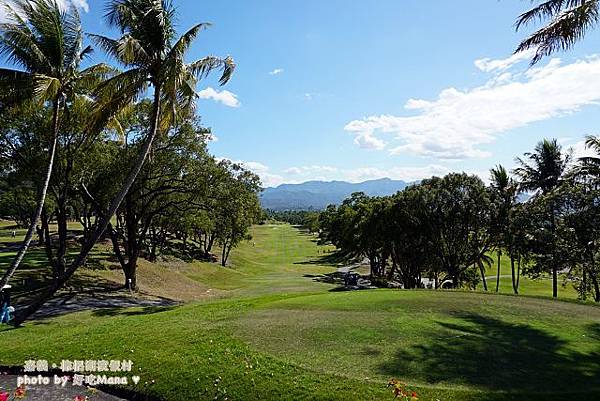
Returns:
(182, 201)
(117, 148)
(306, 218)
(445, 229)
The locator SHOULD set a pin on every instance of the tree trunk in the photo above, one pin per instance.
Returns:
(130, 275)
(21, 316)
(224, 255)
(61, 220)
(518, 272)
(41, 199)
(482, 270)
(40, 234)
(512, 272)
(554, 282)
(554, 264)
(594, 277)
(498, 275)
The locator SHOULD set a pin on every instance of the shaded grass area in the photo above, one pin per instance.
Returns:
(280, 335)
(442, 340)
(181, 354)
(335, 346)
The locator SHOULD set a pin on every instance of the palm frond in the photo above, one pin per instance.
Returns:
(566, 28)
(110, 46)
(183, 44)
(203, 67)
(45, 87)
(546, 10)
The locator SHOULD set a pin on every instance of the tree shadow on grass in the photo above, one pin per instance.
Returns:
(335, 259)
(494, 355)
(148, 310)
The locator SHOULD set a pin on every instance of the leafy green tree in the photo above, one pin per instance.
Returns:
(153, 57)
(172, 185)
(410, 238)
(568, 21)
(580, 212)
(237, 209)
(457, 207)
(45, 44)
(542, 172)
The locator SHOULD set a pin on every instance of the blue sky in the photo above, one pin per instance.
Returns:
(357, 90)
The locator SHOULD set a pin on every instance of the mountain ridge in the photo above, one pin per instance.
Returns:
(317, 195)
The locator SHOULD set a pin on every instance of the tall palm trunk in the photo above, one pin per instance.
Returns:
(518, 273)
(515, 283)
(554, 264)
(41, 199)
(594, 277)
(21, 316)
(498, 274)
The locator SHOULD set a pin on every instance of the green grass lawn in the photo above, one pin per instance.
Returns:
(541, 286)
(280, 335)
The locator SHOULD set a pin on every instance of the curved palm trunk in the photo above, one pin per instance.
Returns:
(482, 271)
(21, 316)
(41, 200)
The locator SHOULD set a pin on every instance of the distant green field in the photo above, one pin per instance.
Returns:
(281, 335)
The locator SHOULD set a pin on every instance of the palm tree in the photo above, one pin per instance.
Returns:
(567, 22)
(543, 172)
(590, 166)
(45, 44)
(152, 58)
(483, 261)
(505, 192)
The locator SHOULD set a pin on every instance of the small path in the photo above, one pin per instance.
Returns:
(54, 393)
(501, 276)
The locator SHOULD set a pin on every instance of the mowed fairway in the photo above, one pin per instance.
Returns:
(280, 335)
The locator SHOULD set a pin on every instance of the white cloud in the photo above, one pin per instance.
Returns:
(489, 65)
(458, 122)
(212, 138)
(81, 4)
(308, 96)
(63, 4)
(408, 174)
(276, 71)
(227, 98)
(267, 178)
(411, 173)
(310, 169)
(578, 149)
(300, 174)
(367, 140)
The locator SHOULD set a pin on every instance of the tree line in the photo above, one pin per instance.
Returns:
(445, 229)
(116, 147)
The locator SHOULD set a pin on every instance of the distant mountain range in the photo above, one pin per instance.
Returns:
(317, 195)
